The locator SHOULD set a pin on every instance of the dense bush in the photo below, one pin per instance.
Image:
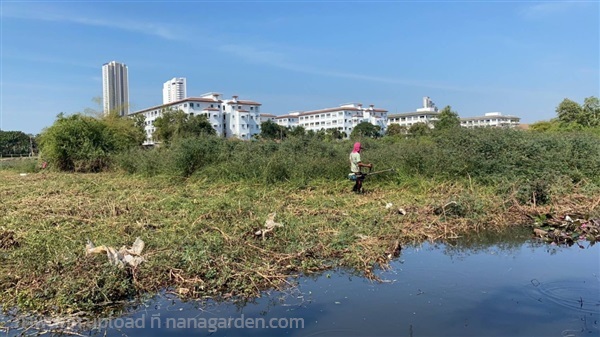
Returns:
(485, 155)
(85, 144)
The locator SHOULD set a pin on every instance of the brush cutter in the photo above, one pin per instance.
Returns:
(352, 176)
(377, 172)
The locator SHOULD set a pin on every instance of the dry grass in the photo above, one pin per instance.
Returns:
(200, 236)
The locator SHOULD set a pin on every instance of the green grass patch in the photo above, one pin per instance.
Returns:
(200, 232)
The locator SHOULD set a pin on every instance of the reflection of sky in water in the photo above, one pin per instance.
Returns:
(527, 290)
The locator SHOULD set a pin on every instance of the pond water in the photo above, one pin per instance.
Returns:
(504, 289)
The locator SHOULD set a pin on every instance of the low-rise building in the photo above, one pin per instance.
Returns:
(229, 117)
(267, 117)
(428, 114)
(290, 120)
(490, 119)
(343, 118)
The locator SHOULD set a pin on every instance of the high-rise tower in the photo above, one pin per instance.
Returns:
(174, 90)
(115, 88)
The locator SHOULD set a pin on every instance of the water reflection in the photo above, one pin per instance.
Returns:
(467, 287)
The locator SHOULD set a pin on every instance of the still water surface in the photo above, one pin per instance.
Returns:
(527, 289)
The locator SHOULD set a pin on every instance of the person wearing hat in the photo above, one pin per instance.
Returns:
(355, 166)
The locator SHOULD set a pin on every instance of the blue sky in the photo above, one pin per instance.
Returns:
(517, 57)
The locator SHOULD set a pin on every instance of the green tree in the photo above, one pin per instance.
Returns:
(334, 134)
(298, 131)
(569, 111)
(591, 112)
(76, 143)
(198, 125)
(139, 120)
(272, 130)
(395, 130)
(124, 130)
(365, 129)
(16, 143)
(84, 143)
(419, 130)
(447, 119)
(176, 124)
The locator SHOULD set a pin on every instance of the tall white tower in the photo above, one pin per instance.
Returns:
(115, 88)
(174, 90)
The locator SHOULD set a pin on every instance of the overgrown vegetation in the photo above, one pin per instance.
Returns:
(571, 116)
(83, 143)
(490, 156)
(198, 200)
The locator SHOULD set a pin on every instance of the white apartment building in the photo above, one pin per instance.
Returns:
(490, 119)
(290, 120)
(267, 117)
(428, 114)
(115, 88)
(343, 118)
(230, 118)
(174, 90)
(242, 118)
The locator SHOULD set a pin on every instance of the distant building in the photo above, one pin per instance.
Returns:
(115, 88)
(242, 118)
(174, 90)
(343, 118)
(229, 117)
(490, 119)
(428, 114)
(267, 117)
(290, 120)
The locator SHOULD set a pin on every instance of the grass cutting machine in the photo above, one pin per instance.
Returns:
(352, 176)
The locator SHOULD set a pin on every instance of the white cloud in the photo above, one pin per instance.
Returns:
(549, 8)
(153, 29)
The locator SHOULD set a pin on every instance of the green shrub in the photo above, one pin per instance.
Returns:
(487, 156)
(191, 154)
(85, 144)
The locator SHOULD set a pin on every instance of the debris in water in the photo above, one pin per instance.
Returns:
(568, 231)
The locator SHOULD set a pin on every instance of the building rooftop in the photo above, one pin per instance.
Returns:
(414, 113)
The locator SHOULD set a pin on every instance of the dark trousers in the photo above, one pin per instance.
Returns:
(360, 177)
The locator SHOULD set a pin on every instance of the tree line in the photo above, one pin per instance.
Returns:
(17, 144)
(84, 142)
(572, 116)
